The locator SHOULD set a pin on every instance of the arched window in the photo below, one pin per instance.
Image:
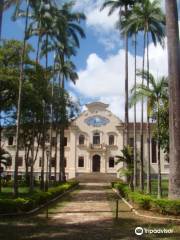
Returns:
(96, 138)
(81, 139)
(111, 162)
(111, 140)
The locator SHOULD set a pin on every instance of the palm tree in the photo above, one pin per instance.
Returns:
(67, 71)
(156, 92)
(127, 157)
(132, 31)
(19, 101)
(148, 17)
(124, 7)
(69, 39)
(174, 96)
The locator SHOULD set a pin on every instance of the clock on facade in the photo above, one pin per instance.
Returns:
(96, 121)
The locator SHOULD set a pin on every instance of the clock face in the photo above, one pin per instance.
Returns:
(96, 121)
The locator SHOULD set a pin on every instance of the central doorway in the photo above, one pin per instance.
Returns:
(96, 162)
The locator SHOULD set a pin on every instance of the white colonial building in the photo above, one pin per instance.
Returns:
(92, 141)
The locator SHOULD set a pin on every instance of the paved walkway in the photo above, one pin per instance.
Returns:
(85, 214)
(87, 205)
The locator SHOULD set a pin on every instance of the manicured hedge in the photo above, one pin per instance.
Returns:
(147, 202)
(19, 205)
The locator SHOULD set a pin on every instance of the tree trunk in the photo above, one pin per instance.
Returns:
(19, 104)
(32, 158)
(51, 126)
(61, 153)
(148, 129)
(142, 123)
(135, 133)
(43, 148)
(174, 97)
(55, 167)
(126, 89)
(159, 157)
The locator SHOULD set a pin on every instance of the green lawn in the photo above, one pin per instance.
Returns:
(155, 187)
(7, 192)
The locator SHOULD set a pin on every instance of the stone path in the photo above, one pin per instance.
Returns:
(88, 205)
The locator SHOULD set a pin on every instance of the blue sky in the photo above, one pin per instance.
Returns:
(100, 59)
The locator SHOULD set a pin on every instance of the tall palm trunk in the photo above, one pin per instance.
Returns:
(126, 142)
(142, 123)
(51, 126)
(159, 155)
(19, 104)
(55, 167)
(174, 97)
(44, 126)
(135, 133)
(32, 158)
(148, 129)
(43, 147)
(62, 167)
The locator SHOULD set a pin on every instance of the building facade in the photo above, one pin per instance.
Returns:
(92, 142)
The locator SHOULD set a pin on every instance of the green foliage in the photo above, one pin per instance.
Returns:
(163, 126)
(36, 199)
(127, 158)
(147, 202)
(166, 206)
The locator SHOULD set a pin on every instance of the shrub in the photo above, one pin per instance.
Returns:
(19, 205)
(164, 206)
(7, 206)
(143, 201)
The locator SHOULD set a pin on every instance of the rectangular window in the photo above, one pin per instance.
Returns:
(65, 141)
(53, 141)
(53, 162)
(40, 162)
(8, 177)
(81, 162)
(96, 139)
(10, 141)
(153, 150)
(65, 162)
(20, 161)
(111, 162)
(9, 163)
(131, 142)
(19, 177)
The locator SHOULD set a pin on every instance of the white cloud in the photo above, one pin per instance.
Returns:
(102, 25)
(104, 78)
(96, 18)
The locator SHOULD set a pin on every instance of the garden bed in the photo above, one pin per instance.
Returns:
(148, 202)
(34, 201)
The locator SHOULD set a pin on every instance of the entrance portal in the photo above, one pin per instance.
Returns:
(96, 162)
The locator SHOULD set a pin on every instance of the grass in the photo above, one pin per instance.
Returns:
(7, 192)
(154, 187)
